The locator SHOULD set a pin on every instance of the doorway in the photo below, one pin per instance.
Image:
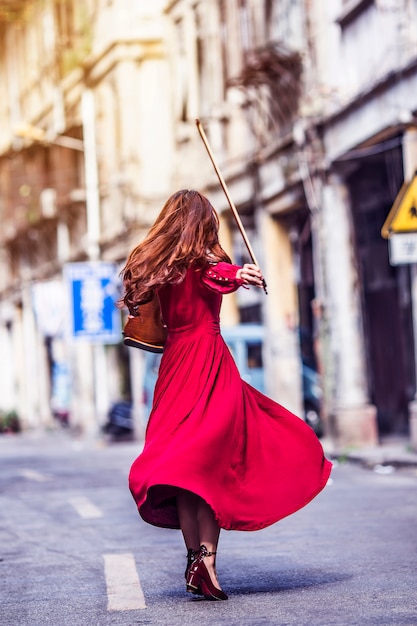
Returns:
(386, 292)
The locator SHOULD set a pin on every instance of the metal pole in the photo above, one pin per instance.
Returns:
(91, 174)
(101, 399)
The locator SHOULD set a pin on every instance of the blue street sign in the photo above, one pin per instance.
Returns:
(93, 291)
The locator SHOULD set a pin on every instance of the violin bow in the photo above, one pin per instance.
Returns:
(229, 199)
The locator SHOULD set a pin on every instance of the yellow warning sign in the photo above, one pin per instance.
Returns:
(403, 215)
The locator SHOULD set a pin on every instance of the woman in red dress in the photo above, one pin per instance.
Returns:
(217, 453)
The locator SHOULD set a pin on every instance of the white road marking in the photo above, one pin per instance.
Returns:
(34, 475)
(124, 592)
(85, 508)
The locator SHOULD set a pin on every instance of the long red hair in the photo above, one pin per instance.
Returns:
(185, 233)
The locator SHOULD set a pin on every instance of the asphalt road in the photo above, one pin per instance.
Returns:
(73, 550)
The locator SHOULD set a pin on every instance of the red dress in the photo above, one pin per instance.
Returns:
(210, 432)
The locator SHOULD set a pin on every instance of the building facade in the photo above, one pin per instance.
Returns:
(86, 159)
(310, 111)
(366, 121)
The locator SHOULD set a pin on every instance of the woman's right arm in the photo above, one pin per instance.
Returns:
(226, 277)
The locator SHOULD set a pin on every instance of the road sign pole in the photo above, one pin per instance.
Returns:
(91, 174)
(409, 148)
(101, 396)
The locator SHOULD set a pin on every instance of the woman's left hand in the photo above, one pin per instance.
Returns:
(250, 274)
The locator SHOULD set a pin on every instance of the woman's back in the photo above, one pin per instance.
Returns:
(190, 302)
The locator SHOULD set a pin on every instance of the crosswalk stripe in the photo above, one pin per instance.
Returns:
(124, 591)
(85, 508)
(34, 475)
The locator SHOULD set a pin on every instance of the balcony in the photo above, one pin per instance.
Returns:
(10, 10)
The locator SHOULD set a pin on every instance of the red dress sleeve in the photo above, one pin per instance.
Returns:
(221, 277)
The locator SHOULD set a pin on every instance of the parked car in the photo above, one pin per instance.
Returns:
(245, 342)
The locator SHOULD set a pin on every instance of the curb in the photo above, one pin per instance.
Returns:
(395, 453)
(377, 458)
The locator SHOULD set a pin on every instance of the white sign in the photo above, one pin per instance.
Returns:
(50, 307)
(403, 248)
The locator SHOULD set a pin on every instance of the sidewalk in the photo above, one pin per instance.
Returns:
(391, 452)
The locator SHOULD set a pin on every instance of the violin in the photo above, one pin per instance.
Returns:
(146, 330)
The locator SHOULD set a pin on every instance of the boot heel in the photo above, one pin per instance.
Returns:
(193, 581)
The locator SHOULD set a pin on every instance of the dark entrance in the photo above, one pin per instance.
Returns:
(386, 291)
(298, 224)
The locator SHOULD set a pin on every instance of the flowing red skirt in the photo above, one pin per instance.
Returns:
(249, 458)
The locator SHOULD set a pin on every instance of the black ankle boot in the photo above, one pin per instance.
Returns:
(199, 580)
